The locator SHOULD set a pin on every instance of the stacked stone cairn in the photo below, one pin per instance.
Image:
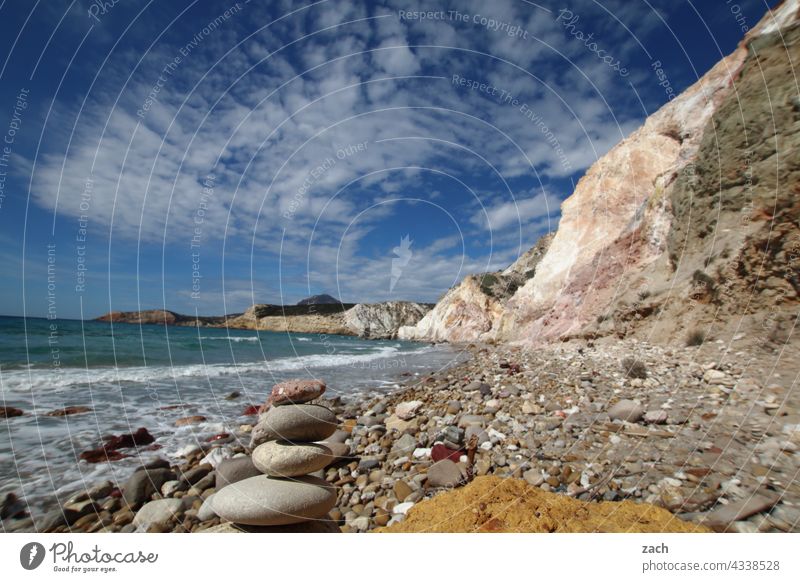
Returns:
(285, 449)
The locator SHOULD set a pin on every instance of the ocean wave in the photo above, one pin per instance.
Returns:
(303, 339)
(233, 338)
(24, 380)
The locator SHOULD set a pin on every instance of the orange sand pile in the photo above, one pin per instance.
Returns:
(495, 504)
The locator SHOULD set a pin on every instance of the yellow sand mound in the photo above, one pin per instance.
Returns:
(494, 504)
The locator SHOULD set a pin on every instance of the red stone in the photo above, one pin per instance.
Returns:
(217, 437)
(137, 439)
(295, 392)
(251, 410)
(101, 456)
(440, 452)
(9, 411)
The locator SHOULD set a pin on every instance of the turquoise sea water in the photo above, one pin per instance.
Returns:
(135, 376)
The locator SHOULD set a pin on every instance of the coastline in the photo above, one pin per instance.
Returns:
(549, 418)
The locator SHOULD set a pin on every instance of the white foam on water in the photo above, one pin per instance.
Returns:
(49, 379)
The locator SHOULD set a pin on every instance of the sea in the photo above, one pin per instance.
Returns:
(134, 376)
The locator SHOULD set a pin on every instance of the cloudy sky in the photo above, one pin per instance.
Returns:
(203, 156)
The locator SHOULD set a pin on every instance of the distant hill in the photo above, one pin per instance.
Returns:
(323, 299)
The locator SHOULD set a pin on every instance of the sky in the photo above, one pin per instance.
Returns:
(205, 156)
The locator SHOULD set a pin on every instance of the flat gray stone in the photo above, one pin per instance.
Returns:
(444, 473)
(233, 470)
(285, 459)
(265, 500)
(294, 422)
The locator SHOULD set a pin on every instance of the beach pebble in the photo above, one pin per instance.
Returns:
(264, 500)
(407, 410)
(206, 510)
(142, 484)
(444, 473)
(283, 459)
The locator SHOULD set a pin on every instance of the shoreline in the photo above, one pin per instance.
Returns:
(548, 417)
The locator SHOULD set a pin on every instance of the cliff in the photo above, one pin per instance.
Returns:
(372, 320)
(692, 217)
(382, 320)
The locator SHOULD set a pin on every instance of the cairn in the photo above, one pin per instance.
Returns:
(285, 450)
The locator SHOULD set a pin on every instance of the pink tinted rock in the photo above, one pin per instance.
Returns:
(295, 392)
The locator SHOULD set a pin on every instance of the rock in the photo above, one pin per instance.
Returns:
(407, 410)
(251, 410)
(216, 456)
(393, 422)
(294, 422)
(233, 395)
(454, 407)
(9, 412)
(452, 434)
(471, 419)
(724, 515)
(367, 464)
(12, 508)
(339, 436)
(627, 410)
(139, 438)
(382, 320)
(439, 452)
(534, 477)
(206, 511)
(402, 490)
(405, 445)
(402, 508)
(656, 417)
(475, 430)
(161, 512)
(188, 420)
(169, 488)
(233, 470)
(264, 500)
(338, 450)
(194, 475)
(283, 459)
(142, 484)
(295, 392)
(69, 411)
(444, 473)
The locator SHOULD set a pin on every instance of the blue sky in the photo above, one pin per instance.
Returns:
(203, 156)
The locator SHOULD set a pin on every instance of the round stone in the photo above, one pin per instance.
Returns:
(294, 422)
(265, 500)
(285, 459)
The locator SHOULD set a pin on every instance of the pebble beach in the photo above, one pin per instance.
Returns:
(703, 433)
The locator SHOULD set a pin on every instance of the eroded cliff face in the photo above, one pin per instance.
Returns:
(383, 320)
(654, 240)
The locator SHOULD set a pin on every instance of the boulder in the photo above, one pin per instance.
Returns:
(265, 500)
(69, 411)
(188, 420)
